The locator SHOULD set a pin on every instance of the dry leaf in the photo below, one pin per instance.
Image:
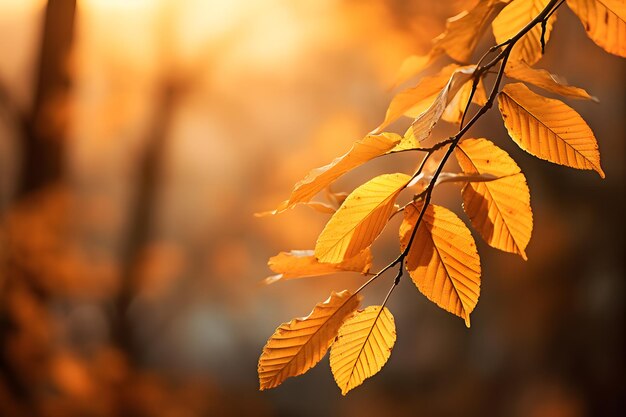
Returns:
(360, 219)
(499, 210)
(543, 79)
(548, 128)
(513, 18)
(297, 346)
(302, 263)
(363, 346)
(604, 21)
(442, 261)
(454, 112)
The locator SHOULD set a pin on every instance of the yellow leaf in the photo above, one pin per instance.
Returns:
(319, 178)
(302, 263)
(413, 65)
(297, 346)
(363, 346)
(500, 209)
(464, 30)
(360, 219)
(454, 112)
(543, 79)
(415, 100)
(425, 122)
(408, 141)
(548, 129)
(604, 21)
(442, 261)
(515, 16)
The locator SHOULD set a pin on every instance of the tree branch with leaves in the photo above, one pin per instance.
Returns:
(436, 247)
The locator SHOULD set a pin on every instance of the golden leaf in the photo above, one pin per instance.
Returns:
(543, 79)
(442, 261)
(464, 30)
(415, 100)
(363, 346)
(302, 263)
(500, 209)
(408, 141)
(515, 16)
(319, 178)
(297, 346)
(454, 112)
(425, 122)
(360, 219)
(548, 128)
(604, 21)
(412, 66)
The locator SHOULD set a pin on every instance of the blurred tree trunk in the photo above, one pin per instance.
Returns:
(44, 128)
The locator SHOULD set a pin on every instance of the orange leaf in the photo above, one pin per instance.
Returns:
(543, 79)
(548, 128)
(412, 66)
(360, 219)
(297, 346)
(500, 209)
(515, 16)
(442, 261)
(302, 263)
(604, 21)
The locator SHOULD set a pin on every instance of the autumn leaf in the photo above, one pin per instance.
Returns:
(319, 178)
(297, 346)
(442, 260)
(425, 122)
(604, 21)
(464, 30)
(500, 209)
(512, 19)
(408, 141)
(548, 128)
(413, 101)
(360, 219)
(363, 346)
(543, 79)
(302, 263)
(413, 65)
(455, 109)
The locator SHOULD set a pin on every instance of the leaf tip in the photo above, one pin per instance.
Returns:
(600, 172)
(467, 321)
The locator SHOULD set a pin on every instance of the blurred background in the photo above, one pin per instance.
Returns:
(138, 137)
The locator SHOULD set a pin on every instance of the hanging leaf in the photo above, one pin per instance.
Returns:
(413, 101)
(543, 79)
(302, 263)
(319, 178)
(360, 219)
(513, 18)
(413, 65)
(548, 128)
(464, 30)
(454, 112)
(297, 346)
(604, 21)
(425, 122)
(499, 210)
(442, 261)
(363, 346)
(408, 141)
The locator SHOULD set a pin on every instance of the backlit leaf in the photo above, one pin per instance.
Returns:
(302, 263)
(363, 346)
(543, 79)
(513, 18)
(319, 178)
(454, 112)
(413, 65)
(297, 346)
(464, 30)
(442, 261)
(425, 122)
(500, 209)
(413, 101)
(360, 219)
(548, 128)
(604, 21)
